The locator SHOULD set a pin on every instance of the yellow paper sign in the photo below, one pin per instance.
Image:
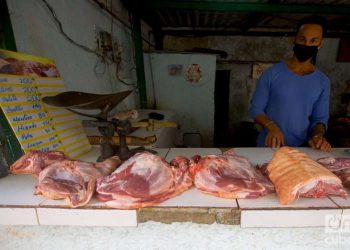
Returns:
(24, 81)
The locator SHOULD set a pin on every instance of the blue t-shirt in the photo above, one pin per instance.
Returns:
(295, 103)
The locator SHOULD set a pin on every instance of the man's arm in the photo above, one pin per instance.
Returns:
(319, 119)
(317, 140)
(260, 99)
(318, 130)
(274, 137)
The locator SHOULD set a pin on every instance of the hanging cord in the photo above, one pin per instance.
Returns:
(117, 75)
(152, 79)
(60, 27)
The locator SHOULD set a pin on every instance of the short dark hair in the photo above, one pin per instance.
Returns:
(315, 19)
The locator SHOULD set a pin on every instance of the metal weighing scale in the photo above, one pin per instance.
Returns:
(120, 124)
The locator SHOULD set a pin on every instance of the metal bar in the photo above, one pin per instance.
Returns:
(10, 145)
(140, 68)
(246, 7)
(186, 33)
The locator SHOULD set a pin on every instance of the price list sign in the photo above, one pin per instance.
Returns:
(37, 126)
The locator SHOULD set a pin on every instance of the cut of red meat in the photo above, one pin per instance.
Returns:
(334, 164)
(74, 181)
(144, 180)
(35, 161)
(229, 176)
(339, 166)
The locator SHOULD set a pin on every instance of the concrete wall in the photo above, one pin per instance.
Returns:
(36, 33)
(192, 103)
(243, 51)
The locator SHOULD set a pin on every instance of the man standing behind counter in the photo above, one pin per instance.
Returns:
(291, 100)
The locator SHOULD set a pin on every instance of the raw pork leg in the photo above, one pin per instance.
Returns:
(35, 161)
(144, 180)
(339, 166)
(229, 176)
(73, 181)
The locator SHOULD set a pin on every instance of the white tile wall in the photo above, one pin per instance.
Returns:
(87, 217)
(287, 218)
(345, 223)
(18, 216)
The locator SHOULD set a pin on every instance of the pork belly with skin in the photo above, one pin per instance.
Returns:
(294, 174)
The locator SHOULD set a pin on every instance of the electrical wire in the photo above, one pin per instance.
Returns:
(60, 27)
(104, 58)
(119, 79)
(129, 27)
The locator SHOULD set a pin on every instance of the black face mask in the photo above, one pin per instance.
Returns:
(304, 53)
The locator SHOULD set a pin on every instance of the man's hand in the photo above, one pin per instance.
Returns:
(320, 143)
(274, 137)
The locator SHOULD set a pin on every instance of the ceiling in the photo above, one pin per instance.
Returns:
(249, 18)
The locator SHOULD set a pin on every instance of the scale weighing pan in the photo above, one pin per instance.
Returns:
(86, 101)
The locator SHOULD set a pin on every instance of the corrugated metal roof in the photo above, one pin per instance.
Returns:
(268, 17)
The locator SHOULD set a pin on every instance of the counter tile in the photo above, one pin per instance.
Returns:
(189, 152)
(18, 216)
(87, 217)
(271, 201)
(18, 190)
(194, 198)
(287, 218)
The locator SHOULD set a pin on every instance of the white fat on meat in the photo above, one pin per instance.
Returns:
(294, 174)
(73, 181)
(228, 176)
(144, 180)
(340, 166)
(303, 188)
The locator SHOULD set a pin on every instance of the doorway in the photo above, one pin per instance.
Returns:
(221, 110)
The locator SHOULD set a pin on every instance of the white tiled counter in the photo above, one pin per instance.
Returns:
(18, 204)
(266, 211)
